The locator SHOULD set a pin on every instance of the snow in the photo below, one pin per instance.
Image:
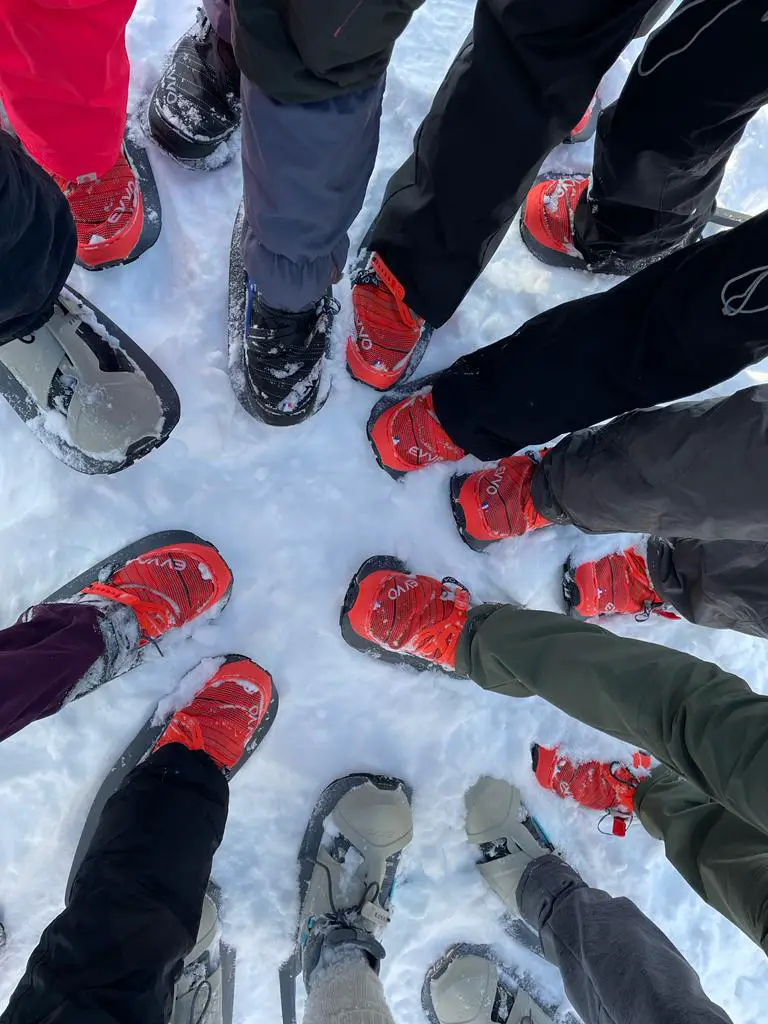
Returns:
(295, 512)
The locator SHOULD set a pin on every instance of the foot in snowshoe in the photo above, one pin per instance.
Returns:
(508, 837)
(144, 592)
(228, 717)
(393, 614)
(88, 392)
(348, 868)
(195, 108)
(389, 339)
(284, 357)
(405, 433)
(469, 986)
(547, 220)
(108, 213)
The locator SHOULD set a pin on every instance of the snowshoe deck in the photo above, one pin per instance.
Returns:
(511, 984)
(308, 853)
(135, 752)
(153, 214)
(37, 419)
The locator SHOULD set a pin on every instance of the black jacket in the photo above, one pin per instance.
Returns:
(37, 241)
(302, 51)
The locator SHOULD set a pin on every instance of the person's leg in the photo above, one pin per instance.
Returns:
(305, 171)
(135, 907)
(46, 658)
(720, 856)
(346, 990)
(673, 329)
(515, 89)
(704, 723)
(695, 469)
(661, 149)
(616, 965)
(61, 651)
(64, 81)
(37, 242)
(723, 584)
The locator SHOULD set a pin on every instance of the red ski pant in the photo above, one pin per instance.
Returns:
(64, 80)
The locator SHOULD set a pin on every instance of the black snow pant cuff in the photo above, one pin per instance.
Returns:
(38, 242)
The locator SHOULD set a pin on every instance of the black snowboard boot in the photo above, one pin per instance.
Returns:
(195, 107)
(284, 356)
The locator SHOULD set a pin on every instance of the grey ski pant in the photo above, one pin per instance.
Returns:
(694, 476)
(616, 965)
(305, 172)
(706, 801)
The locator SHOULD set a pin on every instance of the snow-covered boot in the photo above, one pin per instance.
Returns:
(284, 357)
(141, 593)
(276, 357)
(195, 108)
(348, 862)
(86, 390)
(508, 836)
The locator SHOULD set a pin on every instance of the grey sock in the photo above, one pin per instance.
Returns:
(120, 632)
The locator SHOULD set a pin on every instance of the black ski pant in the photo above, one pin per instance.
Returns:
(695, 477)
(113, 956)
(519, 84)
(616, 965)
(38, 241)
(679, 326)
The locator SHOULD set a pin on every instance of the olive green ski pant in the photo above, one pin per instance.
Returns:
(708, 800)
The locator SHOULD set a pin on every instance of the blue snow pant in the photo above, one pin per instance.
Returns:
(305, 171)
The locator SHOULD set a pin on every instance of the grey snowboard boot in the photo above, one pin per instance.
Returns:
(87, 390)
(508, 836)
(469, 986)
(347, 866)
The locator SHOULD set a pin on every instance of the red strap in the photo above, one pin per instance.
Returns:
(619, 827)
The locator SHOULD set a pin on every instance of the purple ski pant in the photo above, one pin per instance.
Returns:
(42, 660)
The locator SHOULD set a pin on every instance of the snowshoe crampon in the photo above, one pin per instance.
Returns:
(86, 390)
(348, 861)
(470, 985)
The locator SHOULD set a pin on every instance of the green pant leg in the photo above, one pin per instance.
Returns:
(704, 723)
(720, 856)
